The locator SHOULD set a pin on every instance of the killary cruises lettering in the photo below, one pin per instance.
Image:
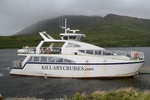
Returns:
(69, 68)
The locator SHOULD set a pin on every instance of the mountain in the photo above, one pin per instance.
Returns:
(108, 31)
(110, 23)
(52, 25)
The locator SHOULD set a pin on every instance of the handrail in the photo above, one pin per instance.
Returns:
(131, 54)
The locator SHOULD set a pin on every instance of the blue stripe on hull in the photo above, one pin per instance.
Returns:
(79, 63)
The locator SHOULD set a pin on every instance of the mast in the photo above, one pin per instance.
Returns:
(70, 34)
(64, 26)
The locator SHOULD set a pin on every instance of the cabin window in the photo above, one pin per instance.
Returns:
(43, 59)
(67, 61)
(72, 37)
(30, 59)
(81, 38)
(76, 45)
(51, 59)
(97, 52)
(89, 51)
(106, 53)
(65, 37)
(83, 51)
(36, 59)
(59, 59)
(72, 45)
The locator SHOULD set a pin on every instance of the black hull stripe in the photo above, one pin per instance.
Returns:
(121, 63)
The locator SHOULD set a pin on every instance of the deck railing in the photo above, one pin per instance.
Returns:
(43, 50)
(47, 50)
(131, 54)
(17, 63)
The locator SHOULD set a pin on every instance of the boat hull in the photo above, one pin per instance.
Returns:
(79, 70)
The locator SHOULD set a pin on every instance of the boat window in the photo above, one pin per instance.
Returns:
(107, 53)
(65, 37)
(72, 37)
(67, 61)
(30, 59)
(72, 45)
(81, 38)
(59, 59)
(97, 52)
(83, 51)
(76, 45)
(78, 38)
(51, 59)
(43, 59)
(36, 58)
(89, 51)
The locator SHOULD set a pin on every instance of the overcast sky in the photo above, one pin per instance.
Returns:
(16, 15)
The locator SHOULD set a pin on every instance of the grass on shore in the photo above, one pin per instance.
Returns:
(120, 94)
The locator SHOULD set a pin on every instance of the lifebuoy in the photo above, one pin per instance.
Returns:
(136, 55)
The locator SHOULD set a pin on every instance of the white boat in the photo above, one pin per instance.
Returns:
(71, 58)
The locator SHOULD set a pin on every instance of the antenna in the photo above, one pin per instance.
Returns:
(64, 24)
(61, 21)
(68, 24)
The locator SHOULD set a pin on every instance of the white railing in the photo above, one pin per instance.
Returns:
(27, 50)
(131, 54)
(17, 63)
(43, 50)
(53, 50)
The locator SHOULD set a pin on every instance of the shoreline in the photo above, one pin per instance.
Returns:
(119, 94)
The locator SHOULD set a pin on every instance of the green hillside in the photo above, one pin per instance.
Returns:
(109, 31)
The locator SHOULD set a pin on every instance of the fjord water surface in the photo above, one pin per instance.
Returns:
(18, 86)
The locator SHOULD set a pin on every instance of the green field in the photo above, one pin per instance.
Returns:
(104, 40)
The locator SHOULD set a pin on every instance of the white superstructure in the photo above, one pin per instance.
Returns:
(69, 57)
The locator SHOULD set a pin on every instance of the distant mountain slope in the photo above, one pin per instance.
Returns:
(109, 31)
(95, 24)
(52, 25)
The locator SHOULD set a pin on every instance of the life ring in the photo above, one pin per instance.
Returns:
(136, 55)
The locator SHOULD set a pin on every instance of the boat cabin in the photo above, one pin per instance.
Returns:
(71, 36)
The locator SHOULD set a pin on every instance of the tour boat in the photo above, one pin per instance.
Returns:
(69, 57)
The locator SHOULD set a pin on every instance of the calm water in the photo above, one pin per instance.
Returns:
(17, 86)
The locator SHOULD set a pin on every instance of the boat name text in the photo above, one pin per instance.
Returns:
(69, 68)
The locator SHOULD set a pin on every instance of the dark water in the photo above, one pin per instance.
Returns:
(18, 86)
